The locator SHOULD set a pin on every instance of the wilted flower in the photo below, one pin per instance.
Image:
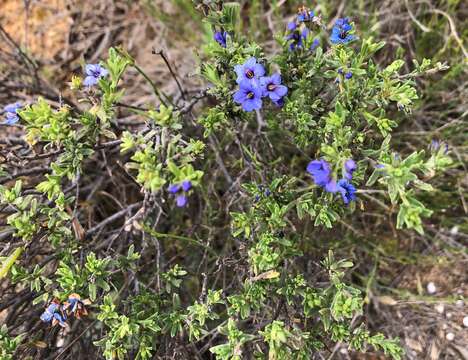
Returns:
(11, 113)
(53, 313)
(340, 32)
(271, 87)
(94, 72)
(249, 96)
(74, 305)
(249, 71)
(221, 38)
(48, 314)
(347, 190)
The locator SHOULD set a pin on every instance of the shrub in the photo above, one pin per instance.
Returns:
(209, 247)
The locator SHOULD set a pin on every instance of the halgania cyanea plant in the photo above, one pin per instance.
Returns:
(195, 232)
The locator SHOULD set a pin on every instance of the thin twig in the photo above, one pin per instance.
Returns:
(161, 53)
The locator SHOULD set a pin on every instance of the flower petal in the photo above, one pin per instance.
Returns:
(90, 81)
(181, 200)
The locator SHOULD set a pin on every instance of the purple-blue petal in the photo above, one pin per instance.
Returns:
(331, 186)
(252, 104)
(181, 200)
(173, 188)
(292, 26)
(259, 70)
(91, 69)
(276, 78)
(347, 191)
(11, 119)
(12, 108)
(281, 90)
(350, 165)
(90, 81)
(186, 185)
(240, 96)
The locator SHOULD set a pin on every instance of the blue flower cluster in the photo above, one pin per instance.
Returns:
(347, 75)
(322, 175)
(253, 86)
(57, 313)
(436, 145)
(94, 72)
(265, 191)
(11, 113)
(304, 14)
(180, 191)
(341, 32)
(298, 30)
(297, 35)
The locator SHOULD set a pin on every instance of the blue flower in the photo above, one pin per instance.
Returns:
(292, 26)
(249, 71)
(347, 191)
(305, 15)
(220, 38)
(249, 96)
(348, 75)
(331, 186)
(94, 72)
(186, 185)
(320, 171)
(271, 87)
(181, 200)
(173, 188)
(349, 167)
(11, 113)
(340, 32)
